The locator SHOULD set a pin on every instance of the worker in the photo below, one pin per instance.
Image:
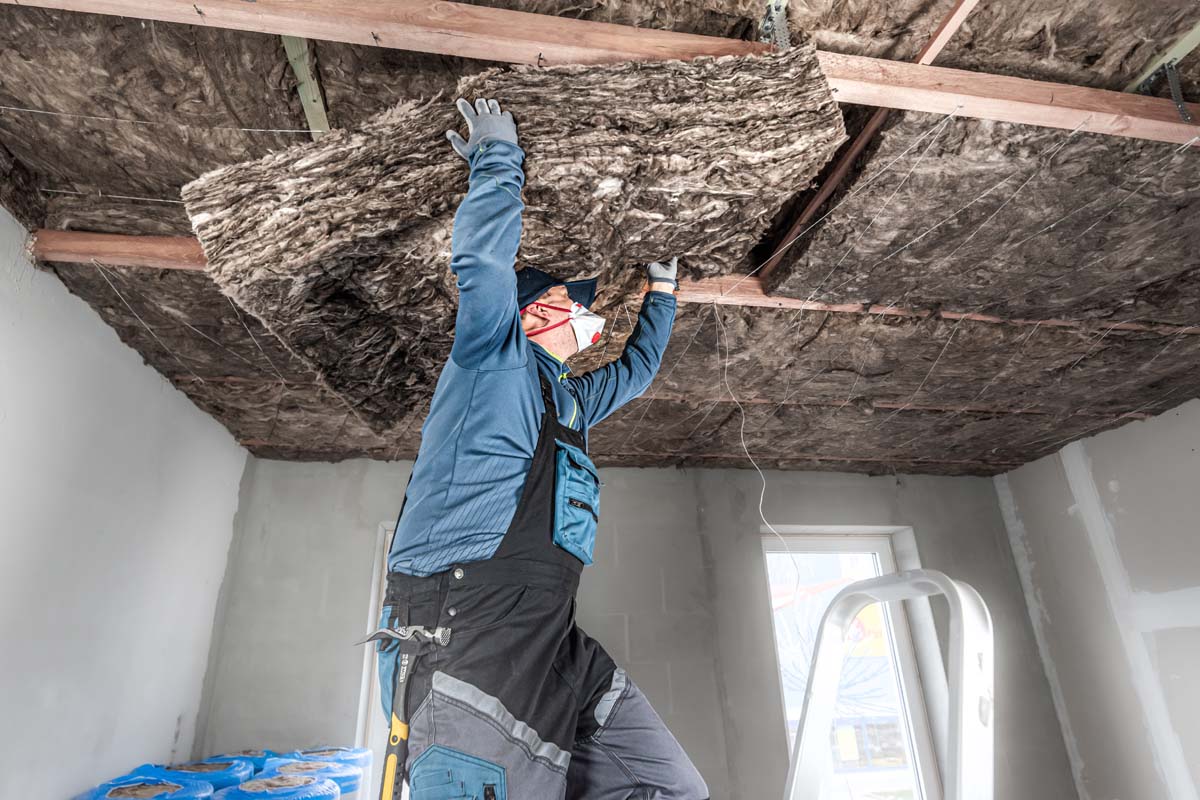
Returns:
(490, 687)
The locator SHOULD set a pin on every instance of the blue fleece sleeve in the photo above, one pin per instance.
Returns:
(603, 391)
(483, 252)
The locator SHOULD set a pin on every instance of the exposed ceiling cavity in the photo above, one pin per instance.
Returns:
(1070, 258)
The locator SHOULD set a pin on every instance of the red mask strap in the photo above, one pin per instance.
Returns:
(540, 331)
(558, 324)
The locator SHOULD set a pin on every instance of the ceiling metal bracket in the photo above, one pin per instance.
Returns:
(1171, 72)
(774, 26)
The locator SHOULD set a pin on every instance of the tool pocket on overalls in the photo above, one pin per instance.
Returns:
(466, 744)
(442, 773)
(576, 501)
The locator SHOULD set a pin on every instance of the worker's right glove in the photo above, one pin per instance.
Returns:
(484, 122)
(664, 273)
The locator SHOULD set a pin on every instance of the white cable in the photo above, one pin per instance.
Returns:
(171, 124)
(742, 435)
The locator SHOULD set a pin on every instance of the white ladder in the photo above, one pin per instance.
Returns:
(969, 755)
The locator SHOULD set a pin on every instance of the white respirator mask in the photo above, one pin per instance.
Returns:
(586, 326)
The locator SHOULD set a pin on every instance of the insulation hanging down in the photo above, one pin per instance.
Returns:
(341, 247)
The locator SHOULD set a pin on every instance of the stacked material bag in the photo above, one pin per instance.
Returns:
(282, 787)
(256, 757)
(220, 772)
(358, 756)
(349, 778)
(131, 786)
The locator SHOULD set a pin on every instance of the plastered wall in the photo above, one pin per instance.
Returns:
(117, 499)
(1107, 537)
(678, 595)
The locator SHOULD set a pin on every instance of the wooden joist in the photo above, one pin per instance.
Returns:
(167, 252)
(851, 153)
(152, 252)
(433, 26)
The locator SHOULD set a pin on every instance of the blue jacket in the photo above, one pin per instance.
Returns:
(478, 440)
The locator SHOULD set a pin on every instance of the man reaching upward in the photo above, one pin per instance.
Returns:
(491, 689)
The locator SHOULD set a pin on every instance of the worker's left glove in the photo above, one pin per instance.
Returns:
(664, 273)
(484, 123)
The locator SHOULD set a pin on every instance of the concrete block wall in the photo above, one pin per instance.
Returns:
(648, 599)
(678, 595)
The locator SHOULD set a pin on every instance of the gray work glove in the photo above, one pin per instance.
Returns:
(484, 122)
(664, 273)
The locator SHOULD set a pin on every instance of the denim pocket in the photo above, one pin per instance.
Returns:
(576, 501)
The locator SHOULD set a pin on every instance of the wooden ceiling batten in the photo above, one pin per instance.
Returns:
(494, 34)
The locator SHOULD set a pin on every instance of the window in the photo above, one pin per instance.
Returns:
(880, 740)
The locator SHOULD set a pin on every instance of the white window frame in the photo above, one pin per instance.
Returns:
(916, 651)
(369, 706)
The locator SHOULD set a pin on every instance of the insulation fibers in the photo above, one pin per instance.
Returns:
(341, 247)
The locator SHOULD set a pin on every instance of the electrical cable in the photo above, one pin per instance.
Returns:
(745, 449)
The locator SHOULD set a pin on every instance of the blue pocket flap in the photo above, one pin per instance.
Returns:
(576, 501)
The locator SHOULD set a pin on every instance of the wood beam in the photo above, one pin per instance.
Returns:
(154, 252)
(308, 86)
(184, 253)
(494, 34)
(427, 26)
(850, 154)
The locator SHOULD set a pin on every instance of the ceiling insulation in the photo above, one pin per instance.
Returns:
(1010, 220)
(846, 391)
(341, 247)
(1102, 43)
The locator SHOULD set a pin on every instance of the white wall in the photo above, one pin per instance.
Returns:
(958, 530)
(1107, 535)
(116, 504)
(284, 670)
(678, 595)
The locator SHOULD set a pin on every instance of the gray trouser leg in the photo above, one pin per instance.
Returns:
(633, 756)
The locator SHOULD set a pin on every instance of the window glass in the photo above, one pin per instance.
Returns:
(870, 742)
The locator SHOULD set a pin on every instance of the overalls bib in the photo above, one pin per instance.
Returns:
(486, 678)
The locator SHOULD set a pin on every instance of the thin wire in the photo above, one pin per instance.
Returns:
(908, 403)
(742, 436)
(878, 214)
(798, 318)
(1044, 158)
(149, 330)
(1098, 197)
(219, 344)
(113, 196)
(666, 377)
(250, 333)
(856, 191)
(153, 124)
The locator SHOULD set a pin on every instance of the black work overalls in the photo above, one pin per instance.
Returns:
(499, 680)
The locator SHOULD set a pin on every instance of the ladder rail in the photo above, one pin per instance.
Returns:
(970, 751)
